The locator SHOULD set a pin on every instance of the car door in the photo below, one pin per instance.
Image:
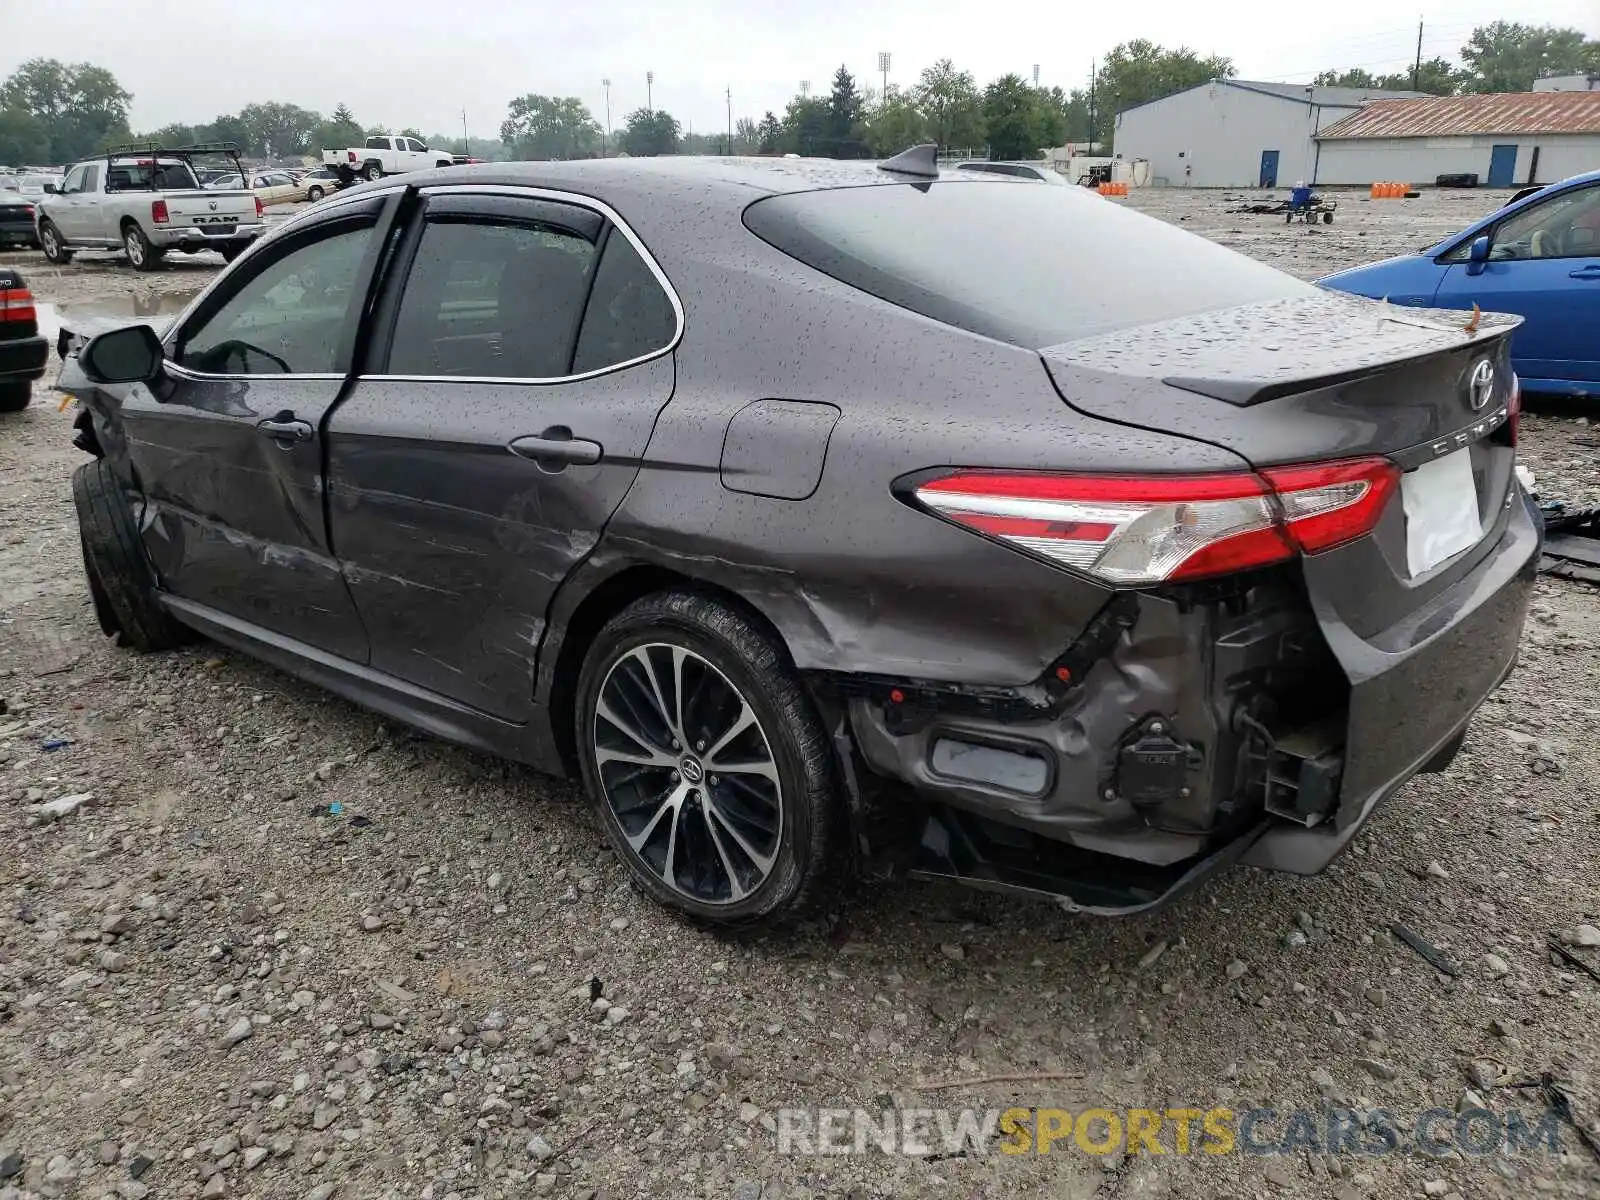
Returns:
(70, 210)
(228, 447)
(1544, 263)
(522, 361)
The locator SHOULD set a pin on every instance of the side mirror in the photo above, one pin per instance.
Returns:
(51, 189)
(129, 355)
(1477, 254)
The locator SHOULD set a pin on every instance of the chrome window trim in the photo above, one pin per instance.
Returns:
(206, 377)
(515, 191)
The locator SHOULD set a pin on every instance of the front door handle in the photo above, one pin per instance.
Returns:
(1592, 271)
(555, 448)
(284, 428)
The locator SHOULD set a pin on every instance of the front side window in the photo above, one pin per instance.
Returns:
(73, 183)
(492, 299)
(1564, 226)
(629, 314)
(285, 319)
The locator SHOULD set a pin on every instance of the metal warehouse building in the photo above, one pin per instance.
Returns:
(1508, 139)
(1237, 133)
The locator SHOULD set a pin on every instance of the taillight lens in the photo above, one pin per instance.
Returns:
(1514, 408)
(259, 209)
(158, 212)
(16, 304)
(351, 155)
(1134, 530)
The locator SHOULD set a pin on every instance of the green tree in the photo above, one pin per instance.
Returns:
(648, 133)
(23, 140)
(949, 101)
(806, 125)
(1139, 71)
(1356, 77)
(276, 130)
(1436, 76)
(746, 136)
(340, 130)
(1508, 57)
(769, 134)
(895, 125)
(1018, 118)
(844, 117)
(546, 127)
(80, 107)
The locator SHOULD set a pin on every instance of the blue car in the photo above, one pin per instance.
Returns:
(1539, 256)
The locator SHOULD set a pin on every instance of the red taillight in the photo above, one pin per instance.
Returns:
(351, 155)
(259, 209)
(158, 212)
(1135, 530)
(16, 304)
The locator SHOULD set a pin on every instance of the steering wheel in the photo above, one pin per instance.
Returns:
(222, 351)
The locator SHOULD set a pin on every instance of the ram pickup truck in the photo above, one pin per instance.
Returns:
(147, 201)
(382, 156)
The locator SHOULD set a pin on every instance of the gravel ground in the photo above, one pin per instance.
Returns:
(280, 947)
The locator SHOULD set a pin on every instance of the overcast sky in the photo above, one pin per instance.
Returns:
(414, 63)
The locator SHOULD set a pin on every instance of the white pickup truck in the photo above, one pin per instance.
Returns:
(382, 156)
(146, 201)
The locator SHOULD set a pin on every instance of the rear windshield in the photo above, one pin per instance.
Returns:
(1033, 266)
(136, 176)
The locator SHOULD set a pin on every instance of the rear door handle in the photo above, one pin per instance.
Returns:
(1592, 271)
(284, 428)
(555, 448)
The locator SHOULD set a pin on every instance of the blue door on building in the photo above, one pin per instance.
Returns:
(1269, 168)
(1503, 166)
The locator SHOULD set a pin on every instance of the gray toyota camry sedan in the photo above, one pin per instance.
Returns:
(832, 519)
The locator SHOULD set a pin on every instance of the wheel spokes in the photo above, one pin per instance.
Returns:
(762, 862)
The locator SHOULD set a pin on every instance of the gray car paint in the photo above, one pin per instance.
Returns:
(479, 599)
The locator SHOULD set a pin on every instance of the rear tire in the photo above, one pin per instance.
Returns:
(142, 256)
(14, 396)
(372, 172)
(739, 822)
(54, 247)
(229, 253)
(120, 578)
(314, 193)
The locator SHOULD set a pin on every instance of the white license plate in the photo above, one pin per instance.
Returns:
(1441, 506)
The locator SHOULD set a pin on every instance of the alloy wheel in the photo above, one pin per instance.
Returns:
(688, 773)
(134, 244)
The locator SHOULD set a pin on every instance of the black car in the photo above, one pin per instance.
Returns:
(821, 514)
(17, 220)
(23, 353)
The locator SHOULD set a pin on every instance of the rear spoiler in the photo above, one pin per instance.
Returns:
(1327, 339)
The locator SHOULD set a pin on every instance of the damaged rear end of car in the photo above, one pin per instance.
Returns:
(1282, 643)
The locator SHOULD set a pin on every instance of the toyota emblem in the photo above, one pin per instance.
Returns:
(1480, 384)
(213, 206)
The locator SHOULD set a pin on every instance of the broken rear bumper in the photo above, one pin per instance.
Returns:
(1069, 833)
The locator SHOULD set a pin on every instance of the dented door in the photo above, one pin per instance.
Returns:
(227, 449)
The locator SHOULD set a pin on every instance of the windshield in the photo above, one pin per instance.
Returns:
(1034, 266)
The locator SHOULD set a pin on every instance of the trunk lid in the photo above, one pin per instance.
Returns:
(1325, 377)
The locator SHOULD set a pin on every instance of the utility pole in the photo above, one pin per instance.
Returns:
(883, 66)
(727, 147)
(1416, 71)
(466, 142)
(1092, 73)
(649, 90)
(606, 136)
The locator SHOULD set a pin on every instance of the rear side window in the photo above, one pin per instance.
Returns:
(1027, 265)
(492, 299)
(629, 316)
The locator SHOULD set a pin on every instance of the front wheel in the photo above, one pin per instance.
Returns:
(142, 256)
(55, 249)
(373, 172)
(706, 763)
(120, 579)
